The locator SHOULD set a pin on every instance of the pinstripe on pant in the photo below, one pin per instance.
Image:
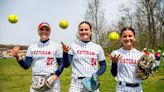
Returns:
(77, 86)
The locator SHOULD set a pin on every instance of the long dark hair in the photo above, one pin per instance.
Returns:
(127, 28)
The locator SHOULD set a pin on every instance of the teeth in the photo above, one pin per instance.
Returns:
(129, 43)
(44, 36)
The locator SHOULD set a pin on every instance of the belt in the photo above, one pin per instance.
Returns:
(43, 74)
(38, 75)
(130, 84)
(81, 77)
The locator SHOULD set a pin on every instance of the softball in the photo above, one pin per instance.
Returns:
(113, 36)
(13, 18)
(63, 24)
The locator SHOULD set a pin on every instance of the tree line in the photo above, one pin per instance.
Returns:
(146, 17)
(22, 47)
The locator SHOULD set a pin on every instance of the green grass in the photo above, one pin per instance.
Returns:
(13, 78)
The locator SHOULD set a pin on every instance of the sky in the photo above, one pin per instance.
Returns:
(32, 12)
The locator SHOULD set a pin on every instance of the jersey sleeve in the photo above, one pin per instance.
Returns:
(101, 55)
(71, 51)
(29, 52)
(59, 51)
(113, 65)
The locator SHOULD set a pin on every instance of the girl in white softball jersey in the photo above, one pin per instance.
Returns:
(124, 63)
(45, 57)
(157, 59)
(85, 57)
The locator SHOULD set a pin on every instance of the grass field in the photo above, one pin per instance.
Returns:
(13, 78)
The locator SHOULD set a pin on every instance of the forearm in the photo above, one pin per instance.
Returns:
(25, 63)
(67, 59)
(102, 68)
(114, 69)
(60, 66)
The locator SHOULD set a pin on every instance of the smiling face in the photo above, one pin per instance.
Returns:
(85, 32)
(127, 39)
(44, 33)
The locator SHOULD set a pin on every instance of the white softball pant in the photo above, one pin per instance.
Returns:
(157, 62)
(77, 86)
(124, 88)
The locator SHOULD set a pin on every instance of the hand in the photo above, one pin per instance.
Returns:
(14, 51)
(138, 71)
(50, 80)
(65, 47)
(141, 75)
(54, 76)
(114, 58)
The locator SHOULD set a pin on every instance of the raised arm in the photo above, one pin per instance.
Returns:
(67, 58)
(24, 63)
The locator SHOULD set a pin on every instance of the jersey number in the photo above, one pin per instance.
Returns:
(49, 61)
(93, 62)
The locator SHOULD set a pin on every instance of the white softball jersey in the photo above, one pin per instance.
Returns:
(127, 65)
(44, 57)
(85, 58)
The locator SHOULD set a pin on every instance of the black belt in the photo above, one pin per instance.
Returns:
(81, 77)
(130, 84)
(43, 75)
(38, 75)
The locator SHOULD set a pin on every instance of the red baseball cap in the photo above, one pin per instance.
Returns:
(45, 24)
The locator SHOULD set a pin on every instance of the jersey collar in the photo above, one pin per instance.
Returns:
(132, 50)
(44, 43)
(85, 43)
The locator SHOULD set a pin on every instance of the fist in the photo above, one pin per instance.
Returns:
(50, 80)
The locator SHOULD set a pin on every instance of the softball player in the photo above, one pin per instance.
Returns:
(43, 56)
(124, 63)
(85, 57)
(152, 55)
(157, 59)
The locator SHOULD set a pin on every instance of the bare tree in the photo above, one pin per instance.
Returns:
(127, 14)
(146, 18)
(160, 22)
(95, 15)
